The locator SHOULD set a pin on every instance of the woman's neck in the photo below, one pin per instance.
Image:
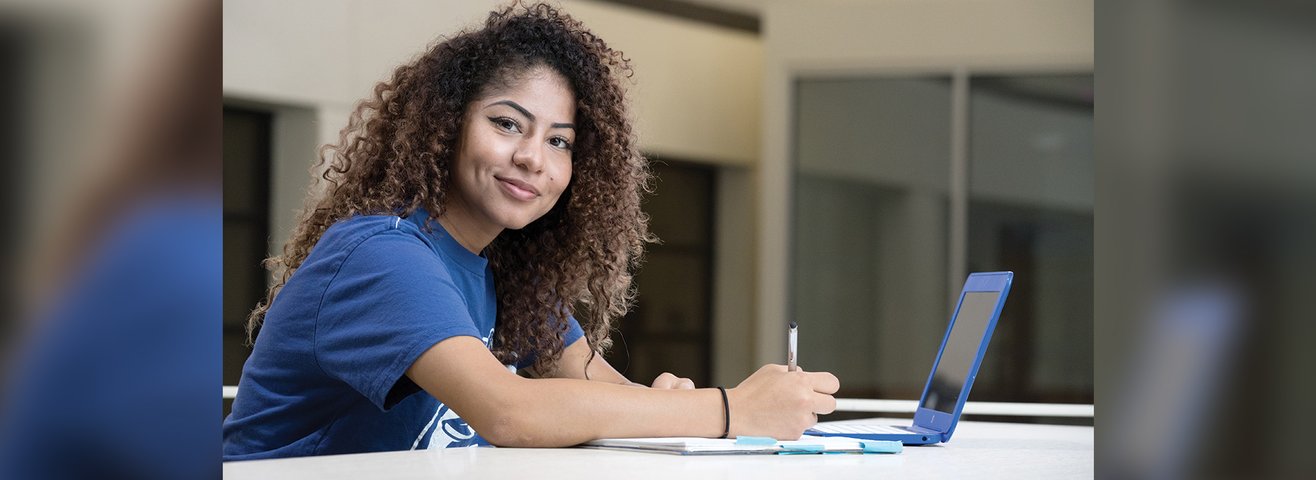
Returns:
(465, 231)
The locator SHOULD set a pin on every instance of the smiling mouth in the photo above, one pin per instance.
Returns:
(518, 189)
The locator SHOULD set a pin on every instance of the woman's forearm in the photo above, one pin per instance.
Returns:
(556, 412)
(510, 410)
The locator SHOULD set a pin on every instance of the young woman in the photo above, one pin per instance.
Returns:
(477, 203)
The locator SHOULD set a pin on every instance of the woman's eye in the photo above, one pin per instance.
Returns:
(560, 142)
(505, 124)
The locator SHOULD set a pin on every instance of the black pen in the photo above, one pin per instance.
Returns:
(791, 348)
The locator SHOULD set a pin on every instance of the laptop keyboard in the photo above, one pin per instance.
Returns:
(860, 428)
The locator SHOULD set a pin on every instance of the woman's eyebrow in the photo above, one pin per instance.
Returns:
(514, 105)
(527, 113)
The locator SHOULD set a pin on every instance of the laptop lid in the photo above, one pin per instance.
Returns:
(961, 352)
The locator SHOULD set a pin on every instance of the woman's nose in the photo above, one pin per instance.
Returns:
(528, 156)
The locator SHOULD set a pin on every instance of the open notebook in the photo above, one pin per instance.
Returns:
(747, 445)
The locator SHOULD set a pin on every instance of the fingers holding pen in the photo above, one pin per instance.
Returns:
(823, 404)
(824, 382)
(824, 385)
(821, 382)
(780, 403)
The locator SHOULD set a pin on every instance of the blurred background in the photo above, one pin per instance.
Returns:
(841, 164)
(1207, 218)
(112, 250)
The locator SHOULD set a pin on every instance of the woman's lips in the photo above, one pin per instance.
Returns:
(518, 189)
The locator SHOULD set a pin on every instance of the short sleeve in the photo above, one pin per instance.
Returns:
(391, 300)
(574, 333)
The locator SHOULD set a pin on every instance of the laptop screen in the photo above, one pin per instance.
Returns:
(960, 351)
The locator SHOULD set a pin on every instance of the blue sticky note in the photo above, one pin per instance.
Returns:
(748, 440)
(882, 446)
(801, 448)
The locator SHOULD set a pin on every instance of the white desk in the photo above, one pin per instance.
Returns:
(977, 450)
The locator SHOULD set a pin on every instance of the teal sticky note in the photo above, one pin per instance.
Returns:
(882, 446)
(748, 440)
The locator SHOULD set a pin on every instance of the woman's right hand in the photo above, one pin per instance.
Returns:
(780, 404)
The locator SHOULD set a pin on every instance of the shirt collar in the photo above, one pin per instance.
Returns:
(445, 244)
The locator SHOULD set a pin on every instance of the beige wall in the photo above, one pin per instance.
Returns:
(695, 90)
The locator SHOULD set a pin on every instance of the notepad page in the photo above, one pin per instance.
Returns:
(829, 444)
(699, 445)
(680, 444)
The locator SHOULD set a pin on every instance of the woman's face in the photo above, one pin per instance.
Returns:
(514, 154)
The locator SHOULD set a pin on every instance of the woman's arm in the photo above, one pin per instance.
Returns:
(576, 360)
(509, 410)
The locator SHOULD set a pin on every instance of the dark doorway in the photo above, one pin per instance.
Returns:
(670, 327)
(246, 228)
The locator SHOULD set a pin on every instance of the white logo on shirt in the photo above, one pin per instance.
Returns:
(450, 430)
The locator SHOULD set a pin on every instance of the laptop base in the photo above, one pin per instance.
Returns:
(906, 435)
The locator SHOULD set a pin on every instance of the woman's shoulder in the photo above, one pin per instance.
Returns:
(356, 229)
(367, 235)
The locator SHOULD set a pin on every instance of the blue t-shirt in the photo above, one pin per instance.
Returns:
(327, 373)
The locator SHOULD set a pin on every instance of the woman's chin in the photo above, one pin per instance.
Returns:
(518, 219)
(517, 224)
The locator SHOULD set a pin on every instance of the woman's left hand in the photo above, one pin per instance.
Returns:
(673, 382)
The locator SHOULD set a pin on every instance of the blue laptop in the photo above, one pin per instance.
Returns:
(953, 370)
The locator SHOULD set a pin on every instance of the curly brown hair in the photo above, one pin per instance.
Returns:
(396, 153)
